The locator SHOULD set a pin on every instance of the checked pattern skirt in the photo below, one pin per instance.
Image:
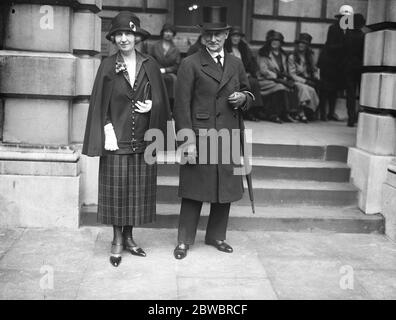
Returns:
(127, 190)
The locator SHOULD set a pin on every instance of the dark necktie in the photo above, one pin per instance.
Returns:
(218, 57)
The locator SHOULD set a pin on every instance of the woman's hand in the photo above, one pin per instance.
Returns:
(143, 107)
(110, 138)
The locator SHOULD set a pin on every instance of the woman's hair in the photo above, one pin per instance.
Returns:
(265, 50)
(308, 55)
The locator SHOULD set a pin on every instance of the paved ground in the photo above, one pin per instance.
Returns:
(264, 265)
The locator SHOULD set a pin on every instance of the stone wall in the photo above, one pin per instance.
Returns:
(47, 67)
(376, 136)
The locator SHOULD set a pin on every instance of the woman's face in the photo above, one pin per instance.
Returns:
(235, 39)
(167, 35)
(302, 47)
(275, 44)
(125, 41)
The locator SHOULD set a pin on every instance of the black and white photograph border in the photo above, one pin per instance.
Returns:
(296, 201)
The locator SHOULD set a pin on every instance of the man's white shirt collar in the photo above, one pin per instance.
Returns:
(215, 54)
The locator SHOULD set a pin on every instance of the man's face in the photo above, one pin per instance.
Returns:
(302, 47)
(214, 40)
(275, 44)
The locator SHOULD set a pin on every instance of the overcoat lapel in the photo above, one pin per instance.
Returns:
(228, 72)
(209, 67)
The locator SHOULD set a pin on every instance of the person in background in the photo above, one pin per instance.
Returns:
(198, 45)
(128, 98)
(240, 49)
(141, 45)
(354, 50)
(276, 85)
(304, 73)
(331, 64)
(168, 58)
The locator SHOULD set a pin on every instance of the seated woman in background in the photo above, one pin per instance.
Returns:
(198, 45)
(168, 58)
(239, 48)
(304, 73)
(276, 85)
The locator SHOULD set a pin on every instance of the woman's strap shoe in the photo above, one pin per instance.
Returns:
(136, 251)
(180, 252)
(219, 245)
(115, 261)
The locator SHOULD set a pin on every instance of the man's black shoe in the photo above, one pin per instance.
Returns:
(180, 252)
(220, 245)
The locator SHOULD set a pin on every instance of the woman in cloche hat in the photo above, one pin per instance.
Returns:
(276, 85)
(302, 69)
(127, 99)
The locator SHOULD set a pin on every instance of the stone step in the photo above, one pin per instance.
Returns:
(286, 151)
(296, 169)
(278, 192)
(297, 219)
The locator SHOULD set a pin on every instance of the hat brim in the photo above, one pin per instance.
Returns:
(302, 41)
(238, 33)
(213, 28)
(141, 32)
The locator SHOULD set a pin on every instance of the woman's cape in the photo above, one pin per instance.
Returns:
(100, 99)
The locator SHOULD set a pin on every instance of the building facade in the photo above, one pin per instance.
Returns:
(51, 49)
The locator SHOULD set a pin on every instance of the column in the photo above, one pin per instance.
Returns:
(376, 134)
(47, 67)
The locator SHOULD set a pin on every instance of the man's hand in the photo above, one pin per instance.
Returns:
(237, 99)
(163, 70)
(143, 107)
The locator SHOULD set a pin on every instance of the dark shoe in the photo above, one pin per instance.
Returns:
(333, 117)
(115, 261)
(130, 246)
(351, 124)
(288, 118)
(179, 252)
(220, 245)
(116, 250)
(303, 119)
(276, 120)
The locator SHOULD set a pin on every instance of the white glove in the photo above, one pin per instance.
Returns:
(163, 70)
(143, 107)
(110, 138)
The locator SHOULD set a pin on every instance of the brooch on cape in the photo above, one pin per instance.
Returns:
(120, 67)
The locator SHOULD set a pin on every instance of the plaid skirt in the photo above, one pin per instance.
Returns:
(127, 190)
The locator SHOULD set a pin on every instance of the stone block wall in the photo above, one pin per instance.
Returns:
(376, 137)
(48, 63)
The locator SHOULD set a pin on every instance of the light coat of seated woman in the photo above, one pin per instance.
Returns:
(305, 75)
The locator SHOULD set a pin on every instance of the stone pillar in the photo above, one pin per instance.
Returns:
(376, 134)
(389, 201)
(47, 67)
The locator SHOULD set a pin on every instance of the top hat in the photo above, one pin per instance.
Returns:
(214, 19)
(168, 26)
(345, 10)
(274, 35)
(304, 38)
(236, 30)
(126, 21)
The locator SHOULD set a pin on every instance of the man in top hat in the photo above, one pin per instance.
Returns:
(212, 89)
(168, 57)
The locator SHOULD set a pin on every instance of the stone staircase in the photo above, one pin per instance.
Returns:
(296, 188)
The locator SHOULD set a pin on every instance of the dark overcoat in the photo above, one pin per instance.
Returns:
(201, 103)
(101, 98)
